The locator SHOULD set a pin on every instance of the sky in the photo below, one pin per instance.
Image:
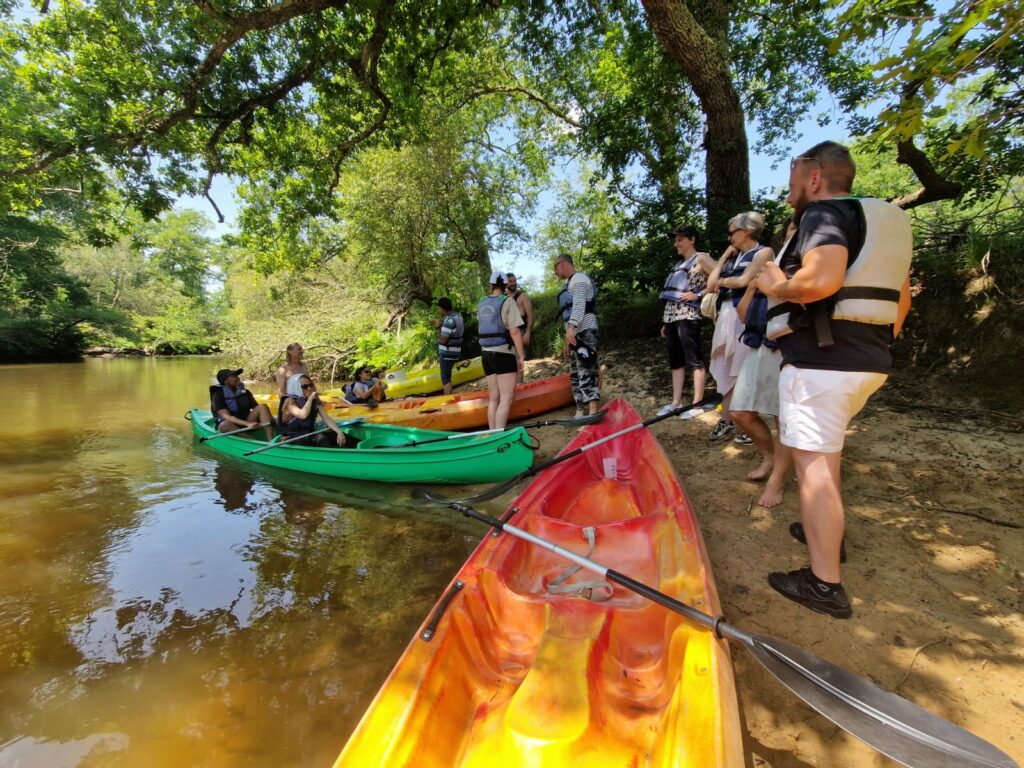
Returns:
(766, 173)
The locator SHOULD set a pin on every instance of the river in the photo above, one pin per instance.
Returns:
(163, 606)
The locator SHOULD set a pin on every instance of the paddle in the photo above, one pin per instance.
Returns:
(303, 437)
(235, 432)
(887, 722)
(706, 404)
(576, 421)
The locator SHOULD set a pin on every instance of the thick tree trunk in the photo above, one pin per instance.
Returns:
(700, 51)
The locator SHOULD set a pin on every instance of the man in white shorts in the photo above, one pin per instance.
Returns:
(845, 289)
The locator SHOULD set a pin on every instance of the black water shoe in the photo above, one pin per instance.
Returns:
(804, 587)
(796, 530)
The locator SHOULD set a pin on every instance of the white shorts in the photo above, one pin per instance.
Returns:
(757, 386)
(815, 407)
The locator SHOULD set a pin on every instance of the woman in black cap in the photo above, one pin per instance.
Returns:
(235, 408)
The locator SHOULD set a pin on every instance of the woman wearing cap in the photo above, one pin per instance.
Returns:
(735, 270)
(681, 320)
(235, 408)
(293, 363)
(501, 345)
(298, 411)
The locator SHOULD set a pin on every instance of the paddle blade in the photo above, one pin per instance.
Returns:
(705, 404)
(889, 723)
(422, 494)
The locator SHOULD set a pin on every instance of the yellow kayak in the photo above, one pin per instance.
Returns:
(403, 384)
(523, 662)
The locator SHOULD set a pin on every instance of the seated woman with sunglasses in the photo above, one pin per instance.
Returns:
(298, 412)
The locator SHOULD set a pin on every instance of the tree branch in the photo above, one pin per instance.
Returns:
(934, 185)
(530, 95)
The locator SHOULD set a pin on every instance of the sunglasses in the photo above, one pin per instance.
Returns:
(734, 231)
(802, 159)
(309, 386)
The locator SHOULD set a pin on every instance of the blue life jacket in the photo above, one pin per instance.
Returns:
(738, 266)
(453, 348)
(565, 299)
(237, 401)
(755, 331)
(296, 426)
(493, 332)
(349, 390)
(678, 283)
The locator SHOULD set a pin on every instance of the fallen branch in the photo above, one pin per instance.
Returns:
(914, 658)
(930, 506)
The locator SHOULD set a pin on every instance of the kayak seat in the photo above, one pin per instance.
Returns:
(601, 503)
(625, 546)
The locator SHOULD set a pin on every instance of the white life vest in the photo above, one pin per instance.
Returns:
(871, 288)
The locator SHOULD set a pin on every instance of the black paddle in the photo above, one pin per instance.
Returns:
(207, 438)
(576, 421)
(706, 404)
(303, 437)
(889, 723)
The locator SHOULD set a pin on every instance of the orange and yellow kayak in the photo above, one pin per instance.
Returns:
(525, 666)
(452, 412)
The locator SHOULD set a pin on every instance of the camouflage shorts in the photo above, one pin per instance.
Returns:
(584, 372)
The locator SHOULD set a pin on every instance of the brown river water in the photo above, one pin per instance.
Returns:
(163, 606)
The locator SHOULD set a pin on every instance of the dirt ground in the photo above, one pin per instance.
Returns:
(934, 495)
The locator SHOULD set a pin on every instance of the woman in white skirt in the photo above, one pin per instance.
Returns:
(734, 272)
(756, 392)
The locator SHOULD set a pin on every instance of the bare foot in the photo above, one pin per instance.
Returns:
(771, 497)
(764, 470)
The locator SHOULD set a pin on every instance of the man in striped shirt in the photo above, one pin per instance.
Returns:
(578, 304)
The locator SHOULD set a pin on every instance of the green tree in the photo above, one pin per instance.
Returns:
(44, 311)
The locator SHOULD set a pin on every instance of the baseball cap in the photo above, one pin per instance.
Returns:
(685, 230)
(497, 277)
(223, 373)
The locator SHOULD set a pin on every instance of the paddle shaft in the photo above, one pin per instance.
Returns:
(711, 622)
(499, 489)
(233, 432)
(591, 419)
(285, 442)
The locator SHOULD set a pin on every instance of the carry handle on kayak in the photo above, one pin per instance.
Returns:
(889, 723)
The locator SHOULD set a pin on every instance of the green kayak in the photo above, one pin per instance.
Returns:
(464, 459)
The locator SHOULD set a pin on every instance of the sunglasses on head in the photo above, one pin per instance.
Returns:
(802, 159)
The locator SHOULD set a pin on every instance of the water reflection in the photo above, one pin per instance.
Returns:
(162, 605)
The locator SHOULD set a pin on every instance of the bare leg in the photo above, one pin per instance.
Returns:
(726, 402)
(700, 376)
(751, 423)
(493, 396)
(507, 389)
(678, 379)
(592, 406)
(821, 509)
(448, 388)
(772, 495)
(262, 413)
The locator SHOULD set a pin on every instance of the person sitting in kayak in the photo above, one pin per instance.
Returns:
(234, 407)
(367, 389)
(298, 412)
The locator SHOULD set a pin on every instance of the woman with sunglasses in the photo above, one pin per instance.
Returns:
(298, 412)
(735, 270)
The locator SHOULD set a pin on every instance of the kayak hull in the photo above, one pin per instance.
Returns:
(455, 412)
(402, 384)
(465, 459)
(516, 674)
